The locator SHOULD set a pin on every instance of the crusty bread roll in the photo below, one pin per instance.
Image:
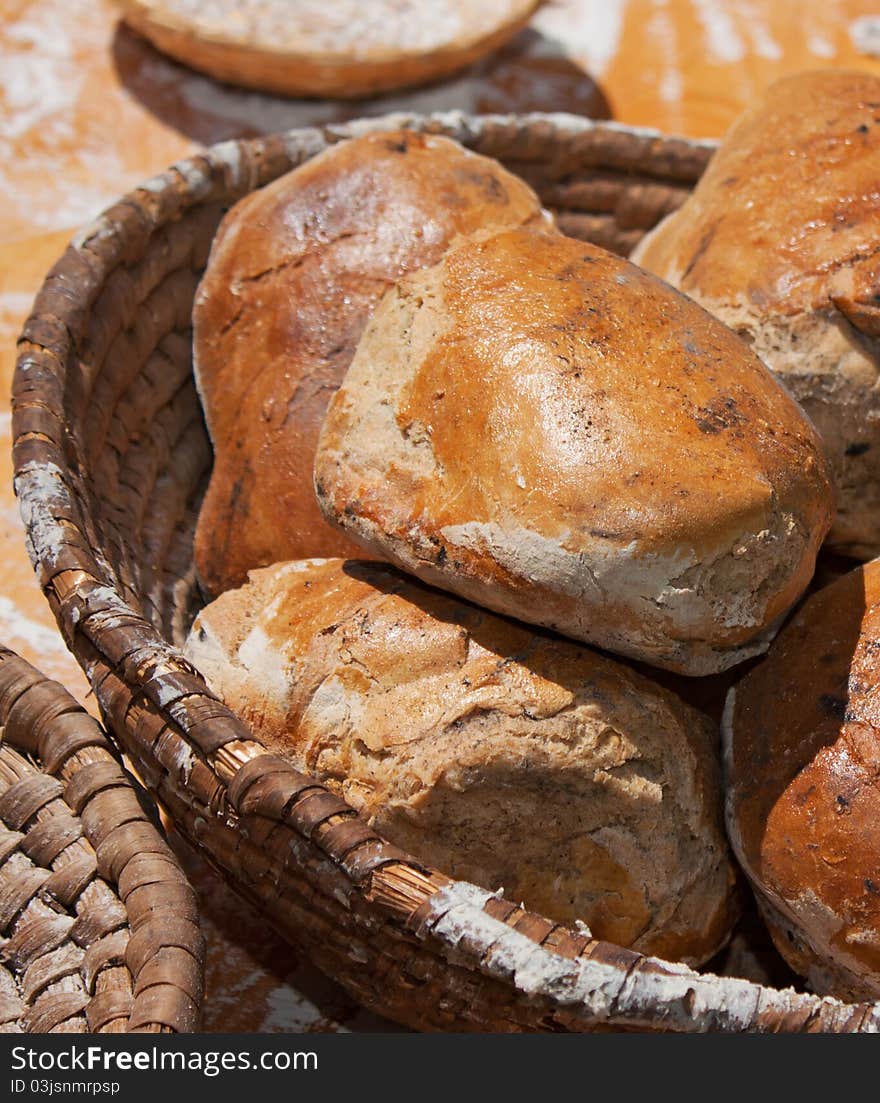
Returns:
(327, 48)
(552, 433)
(781, 240)
(500, 755)
(293, 275)
(803, 761)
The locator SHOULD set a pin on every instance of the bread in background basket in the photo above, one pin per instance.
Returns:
(329, 48)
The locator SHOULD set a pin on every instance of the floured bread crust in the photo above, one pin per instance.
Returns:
(328, 48)
(802, 735)
(552, 433)
(781, 240)
(294, 273)
(500, 755)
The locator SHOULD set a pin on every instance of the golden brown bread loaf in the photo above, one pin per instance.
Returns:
(327, 48)
(781, 240)
(802, 735)
(498, 754)
(554, 434)
(293, 275)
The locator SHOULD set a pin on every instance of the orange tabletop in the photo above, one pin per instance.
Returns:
(88, 109)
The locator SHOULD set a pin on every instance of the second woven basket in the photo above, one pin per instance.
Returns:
(99, 926)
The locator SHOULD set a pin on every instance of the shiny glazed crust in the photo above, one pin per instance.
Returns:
(294, 273)
(803, 758)
(546, 430)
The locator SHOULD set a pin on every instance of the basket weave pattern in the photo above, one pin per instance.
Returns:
(111, 459)
(99, 925)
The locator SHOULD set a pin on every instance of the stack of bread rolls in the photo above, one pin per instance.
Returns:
(496, 753)
(553, 450)
(781, 240)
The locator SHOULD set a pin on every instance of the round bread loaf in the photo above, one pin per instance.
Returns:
(327, 48)
(802, 745)
(781, 240)
(294, 273)
(499, 755)
(554, 434)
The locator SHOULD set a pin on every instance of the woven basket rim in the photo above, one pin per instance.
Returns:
(603, 983)
(34, 739)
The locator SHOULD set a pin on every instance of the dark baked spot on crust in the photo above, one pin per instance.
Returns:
(802, 796)
(398, 145)
(705, 242)
(605, 534)
(857, 448)
(486, 182)
(719, 415)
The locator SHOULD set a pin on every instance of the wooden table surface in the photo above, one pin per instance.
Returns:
(88, 109)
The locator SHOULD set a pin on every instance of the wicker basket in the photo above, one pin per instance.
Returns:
(111, 460)
(99, 926)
